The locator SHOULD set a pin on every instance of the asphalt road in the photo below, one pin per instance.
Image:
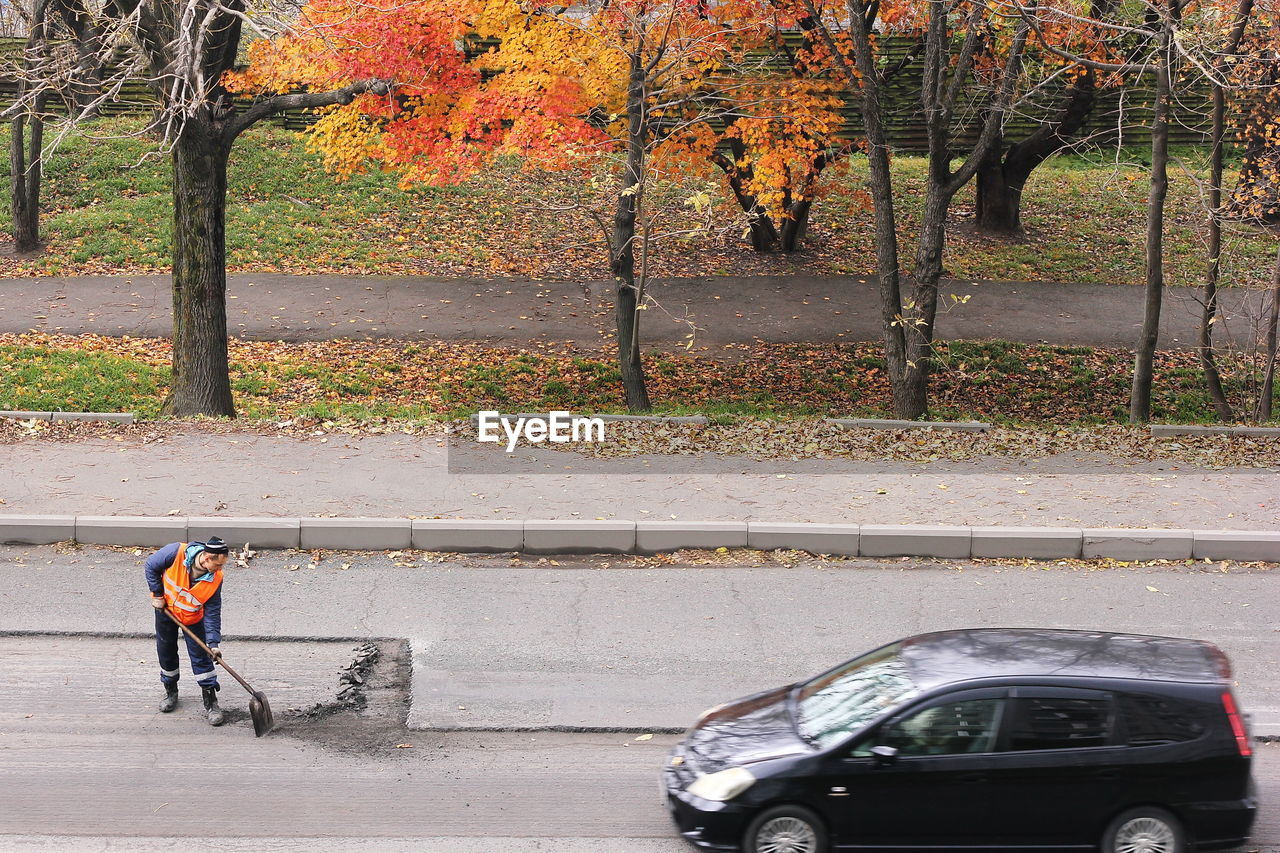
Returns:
(87, 763)
(618, 641)
(108, 773)
(726, 309)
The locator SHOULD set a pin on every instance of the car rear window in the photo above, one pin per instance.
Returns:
(1155, 720)
(1059, 723)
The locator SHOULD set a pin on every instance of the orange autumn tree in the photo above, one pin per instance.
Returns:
(625, 89)
(778, 143)
(443, 119)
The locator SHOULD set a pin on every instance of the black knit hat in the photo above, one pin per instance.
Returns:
(215, 545)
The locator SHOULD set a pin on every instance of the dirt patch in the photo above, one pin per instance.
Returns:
(370, 706)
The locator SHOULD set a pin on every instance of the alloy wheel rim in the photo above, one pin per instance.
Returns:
(786, 835)
(1145, 835)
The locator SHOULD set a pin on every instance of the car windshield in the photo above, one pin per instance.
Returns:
(839, 703)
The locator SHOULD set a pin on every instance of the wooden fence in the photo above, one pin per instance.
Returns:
(1119, 114)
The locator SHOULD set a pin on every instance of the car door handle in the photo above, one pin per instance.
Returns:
(1107, 774)
(838, 791)
(971, 778)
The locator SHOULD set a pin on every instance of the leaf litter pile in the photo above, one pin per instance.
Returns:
(1004, 382)
(768, 401)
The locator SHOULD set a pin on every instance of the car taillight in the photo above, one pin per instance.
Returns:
(1237, 724)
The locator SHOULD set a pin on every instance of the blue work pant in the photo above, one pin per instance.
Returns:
(167, 650)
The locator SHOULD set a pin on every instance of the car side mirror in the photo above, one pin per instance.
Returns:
(884, 754)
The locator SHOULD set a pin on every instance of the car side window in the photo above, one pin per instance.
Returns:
(1154, 720)
(1059, 723)
(952, 728)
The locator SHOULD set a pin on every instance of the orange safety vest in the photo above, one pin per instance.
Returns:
(184, 600)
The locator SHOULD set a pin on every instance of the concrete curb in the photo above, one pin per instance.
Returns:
(874, 423)
(652, 419)
(101, 417)
(1188, 429)
(617, 536)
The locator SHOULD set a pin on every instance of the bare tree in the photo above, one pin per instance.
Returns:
(1158, 55)
(956, 35)
(26, 134)
(61, 60)
(1059, 122)
(1213, 274)
(183, 49)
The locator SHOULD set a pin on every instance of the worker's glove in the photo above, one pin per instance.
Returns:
(216, 653)
(157, 601)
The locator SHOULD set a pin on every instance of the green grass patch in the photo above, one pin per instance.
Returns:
(40, 379)
(108, 210)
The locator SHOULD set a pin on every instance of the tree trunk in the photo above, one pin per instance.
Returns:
(1004, 171)
(623, 249)
(999, 201)
(24, 178)
(919, 320)
(1266, 399)
(25, 168)
(760, 228)
(1204, 344)
(201, 382)
(1144, 360)
(1209, 314)
(909, 395)
(795, 226)
(86, 80)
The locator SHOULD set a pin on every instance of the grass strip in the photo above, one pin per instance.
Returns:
(1008, 383)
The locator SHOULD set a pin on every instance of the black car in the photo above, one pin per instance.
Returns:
(984, 738)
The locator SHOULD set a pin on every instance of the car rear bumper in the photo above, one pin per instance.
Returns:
(1221, 825)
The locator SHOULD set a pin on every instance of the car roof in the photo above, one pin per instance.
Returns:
(945, 657)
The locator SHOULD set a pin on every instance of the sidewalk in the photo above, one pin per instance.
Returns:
(201, 473)
(726, 310)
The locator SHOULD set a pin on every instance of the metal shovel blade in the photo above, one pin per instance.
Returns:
(260, 710)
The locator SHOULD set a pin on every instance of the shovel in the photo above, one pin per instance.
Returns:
(259, 708)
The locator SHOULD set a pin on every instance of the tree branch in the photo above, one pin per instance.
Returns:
(303, 101)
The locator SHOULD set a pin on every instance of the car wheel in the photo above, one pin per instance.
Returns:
(786, 829)
(1144, 830)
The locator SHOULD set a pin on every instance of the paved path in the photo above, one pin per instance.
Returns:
(727, 310)
(248, 474)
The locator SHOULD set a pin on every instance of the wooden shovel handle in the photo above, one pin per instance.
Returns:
(201, 643)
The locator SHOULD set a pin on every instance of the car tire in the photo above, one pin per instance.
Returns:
(1146, 829)
(786, 829)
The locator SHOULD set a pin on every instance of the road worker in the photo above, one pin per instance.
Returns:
(185, 578)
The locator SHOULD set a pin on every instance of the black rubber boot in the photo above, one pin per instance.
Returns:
(216, 717)
(170, 700)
